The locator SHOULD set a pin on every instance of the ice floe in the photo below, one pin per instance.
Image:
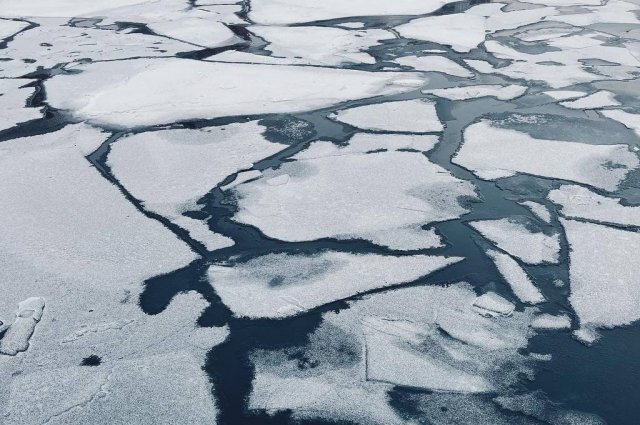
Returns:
(411, 116)
(16, 338)
(516, 277)
(605, 290)
(596, 100)
(538, 406)
(310, 45)
(580, 202)
(281, 285)
(135, 92)
(281, 12)
(435, 63)
(540, 210)
(334, 192)
(198, 31)
(492, 305)
(493, 153)
(551, 322)
(564, 94)
(629, 120)
(521, 239)
(482, 90)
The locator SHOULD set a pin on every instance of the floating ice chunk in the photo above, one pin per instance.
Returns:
(435, 64)
(242, 177)
(596, 100)
(605, 290)
(13, 99)
(367, 142)
(564, 94)
(413, 116)
(199, 31)
(540, 210)
(586, 335)
(580, 202)
(281, 285)
(516, 277)
(310, 45)
(481, 66)
(514, 237)
(388, 360)
(199, 231)
(493, 153)
(472, 92)
(136, 92)
(629, 120)
(156, 389)
(283, 12)
(17, 337)
(58, 8)
(549, 321)
(492, 304)
(384, 197)
(169, 170)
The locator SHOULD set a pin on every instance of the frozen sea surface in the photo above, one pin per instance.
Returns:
(320, 212)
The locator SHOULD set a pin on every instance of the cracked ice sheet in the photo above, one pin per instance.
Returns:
(54, 42)
(437, 340)
(320, 45)
(580, 202)
(482, 90)
(520, 238)
(169, 170)
(492, 153)
(13, 99)
(137, 92)
(169, 388)
(338, 192)
(282, 12)
(605, 290)
(281, 285)
(412, 116)
(86, 251)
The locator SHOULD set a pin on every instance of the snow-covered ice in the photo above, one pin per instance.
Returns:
(281, 285)
(520, 283)
(492, 304)
(133, 93)
(596, 100)
(540, 210)
(434, 63)
(493, 153)
(411, 116)
(551, 322)
(629, 120)
(16, 338)
(482, 90)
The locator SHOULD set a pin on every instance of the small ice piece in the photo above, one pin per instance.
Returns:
(599, 99)
(580, 202)
(136, 92)
(629, 120)
(169, 170)
(605, 289)
(564, 94)
(493, 153)
(516, 277)
(435, 63)
(412, 116)
(326, 46)
(493, 305)
(540, 210)
(514, 237)
(284, 12)
(17, 337)
(550, 322)
(390, 360)
(483, 90)
(586, 335)
(242, 177)
(282, 285)
(340, 192)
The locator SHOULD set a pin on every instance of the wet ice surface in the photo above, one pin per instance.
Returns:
(319, 212)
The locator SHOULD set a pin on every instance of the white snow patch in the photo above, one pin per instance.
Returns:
(13, 101)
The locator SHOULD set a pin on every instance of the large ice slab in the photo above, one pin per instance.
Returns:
(516, 277)
(327, 46)
(149, 390)
(169, 170)
(281, 285)
(136, 92)
(580, 202)
(282, 12)
(605, 290)
(515, 237)
(493, 153)
(411, 116)
(336, 192)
